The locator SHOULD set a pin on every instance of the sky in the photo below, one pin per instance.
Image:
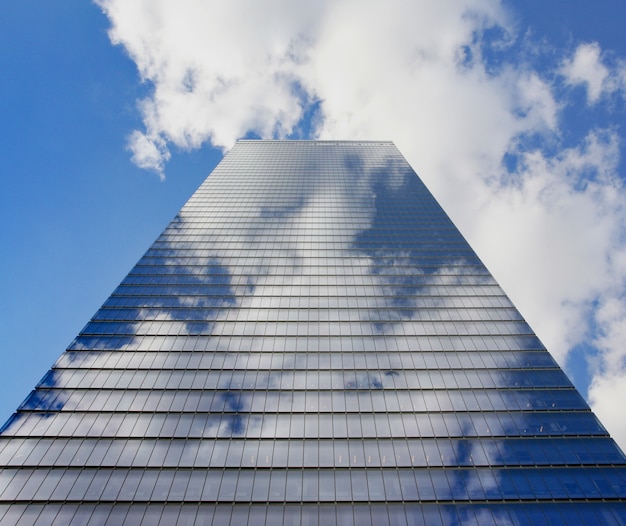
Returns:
(512, 113)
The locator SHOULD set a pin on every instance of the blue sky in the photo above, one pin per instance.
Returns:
(512, 113)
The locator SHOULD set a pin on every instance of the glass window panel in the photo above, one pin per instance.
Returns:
(359, 485)
(211, 485)
(339, 401)
(249, 453)
(275, 454)
(178, 487)
(310, 487)
(235, 451)
(424, 425)
(47, 487)
(296, 429)
(343, 486)
(351, 401)
(204, 453)
(294, 486)
(375, 484)
(311, 426)
(392, 485)
(310, 453)
(440, 484)
(130, 485)
(219, 453)
(195, 486)
(354, 426)
(278, 480)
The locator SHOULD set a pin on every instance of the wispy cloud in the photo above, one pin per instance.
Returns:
(218, 70)
(601, 74)
(149, 152)
(479, 117)
(586, 68)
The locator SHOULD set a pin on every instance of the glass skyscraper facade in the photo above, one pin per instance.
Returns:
(309, 341)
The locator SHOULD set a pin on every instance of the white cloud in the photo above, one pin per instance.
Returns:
(607, 394)
(560, 228)
(218, 69)
(149, 153)
(550, 229)
(608, 386)
(587, 68)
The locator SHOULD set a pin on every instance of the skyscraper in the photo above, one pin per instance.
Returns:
(310, 340)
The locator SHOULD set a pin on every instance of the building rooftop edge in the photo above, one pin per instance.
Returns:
(316, 140)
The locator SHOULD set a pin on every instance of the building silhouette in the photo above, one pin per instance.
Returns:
(309, 341)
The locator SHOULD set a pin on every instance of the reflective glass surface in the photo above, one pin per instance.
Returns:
(310, 340)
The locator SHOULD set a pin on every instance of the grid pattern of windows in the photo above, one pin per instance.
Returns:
(310, 340)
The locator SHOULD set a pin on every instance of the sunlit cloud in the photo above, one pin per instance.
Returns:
(586, 68)
(600, 75)
(149, 153)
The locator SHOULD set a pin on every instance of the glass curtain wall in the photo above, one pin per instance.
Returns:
(310, 340)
